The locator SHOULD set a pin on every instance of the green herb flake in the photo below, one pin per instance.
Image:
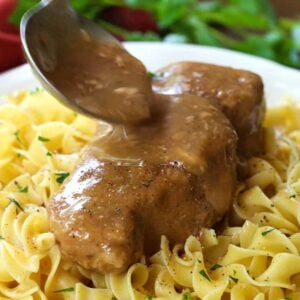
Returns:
(287, 298)
(148, 297)
(187, 296)
(216, 267)
(35, 91)
(264, 233)
(2, 238)
(235, 280)
(24, 189)
(49, 153)
(17, 135)
(293, 196)
(155, 76)
(43, 139)
(16, 203)
(61, 177)
(21, 189)
(151, 75)
(204, 274)
(70, 289)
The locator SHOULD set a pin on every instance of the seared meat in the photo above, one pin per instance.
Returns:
(170, 177)
(238, 92)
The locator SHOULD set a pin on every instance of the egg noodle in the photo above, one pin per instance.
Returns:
(255, 257)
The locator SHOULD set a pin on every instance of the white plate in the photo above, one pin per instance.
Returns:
(280, 81)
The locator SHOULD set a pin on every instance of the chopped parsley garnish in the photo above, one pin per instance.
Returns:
(49, 153)
(235, 280)
(151, 74)
(23, 189)
(264, 233)
(17, 135)
(70, 289)
(148, 297)
(35, 90)
(61, 177)
(215, 267)
(16, 203)
(287, 298)
(2, 238)
(187, 296)
(293, 196)
(43, 139)
(204, 274)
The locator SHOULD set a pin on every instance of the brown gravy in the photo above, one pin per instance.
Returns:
(105, 80)
(178, 133)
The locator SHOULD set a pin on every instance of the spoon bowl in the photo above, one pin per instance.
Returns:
(82, 65)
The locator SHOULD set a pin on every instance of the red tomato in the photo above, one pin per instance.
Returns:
(10, 45)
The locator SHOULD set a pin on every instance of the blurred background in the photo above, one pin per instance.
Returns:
(267, 28)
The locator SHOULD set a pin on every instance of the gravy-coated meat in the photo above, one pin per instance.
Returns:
(238, 92)
(170, 176)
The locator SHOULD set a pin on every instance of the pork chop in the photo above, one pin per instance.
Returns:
(171, 176)
(238, 92)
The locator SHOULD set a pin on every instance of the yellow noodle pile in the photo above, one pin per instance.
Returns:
(256, 258)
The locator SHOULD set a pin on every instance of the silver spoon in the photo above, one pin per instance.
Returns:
(83, 66)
